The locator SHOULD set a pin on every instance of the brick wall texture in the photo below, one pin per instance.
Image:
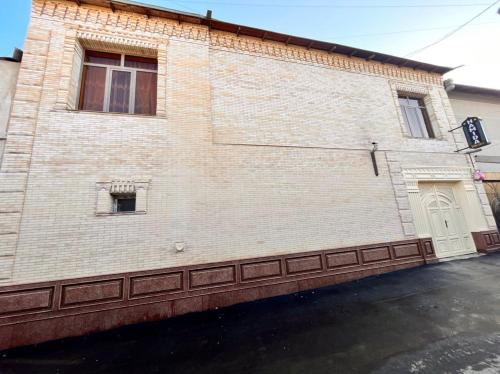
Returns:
(257, 149)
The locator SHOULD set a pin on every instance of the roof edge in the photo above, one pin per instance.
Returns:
(475, 90)
(214, 24)
(17, 56)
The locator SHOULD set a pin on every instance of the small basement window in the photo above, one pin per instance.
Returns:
(123, 203)
(118, 83)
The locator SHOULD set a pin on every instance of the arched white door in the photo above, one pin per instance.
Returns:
(446, 219)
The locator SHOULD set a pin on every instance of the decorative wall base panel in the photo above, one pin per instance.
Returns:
(34, 313)
(487, 241)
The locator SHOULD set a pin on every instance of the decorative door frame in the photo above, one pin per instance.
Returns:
(445, 193)
(463, 188)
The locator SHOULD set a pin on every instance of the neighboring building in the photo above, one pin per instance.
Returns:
(9, 68)
(484, 103)
(236, 165)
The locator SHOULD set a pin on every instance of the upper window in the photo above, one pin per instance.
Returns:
(416, 117)
(118, 83)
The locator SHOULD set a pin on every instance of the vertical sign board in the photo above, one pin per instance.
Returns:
(474, 133)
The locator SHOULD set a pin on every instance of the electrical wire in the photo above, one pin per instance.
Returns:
(283, 5)
(178, 3)
(453, 31)
(170, 3)
(400, 31)
(364, 35)
(407, 31)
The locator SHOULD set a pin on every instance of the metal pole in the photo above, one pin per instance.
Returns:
(374, 162)
(374, 159)
(472, 161)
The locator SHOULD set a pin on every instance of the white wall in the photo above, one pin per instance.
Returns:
(488, 108)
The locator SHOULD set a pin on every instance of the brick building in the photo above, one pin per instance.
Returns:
(159, 162)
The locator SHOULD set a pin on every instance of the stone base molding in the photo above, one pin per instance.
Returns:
(487, 241)
(34, 313)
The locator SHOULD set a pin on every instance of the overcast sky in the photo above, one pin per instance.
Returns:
(396, 27)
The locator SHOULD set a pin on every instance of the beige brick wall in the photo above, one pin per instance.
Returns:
(8, 79)
(257, 149)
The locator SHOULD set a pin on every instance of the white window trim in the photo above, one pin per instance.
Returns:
(106, 190)
(427, 94)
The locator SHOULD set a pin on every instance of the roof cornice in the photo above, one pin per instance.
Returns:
(242, 30)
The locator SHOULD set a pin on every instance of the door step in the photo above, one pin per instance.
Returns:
(460, 257)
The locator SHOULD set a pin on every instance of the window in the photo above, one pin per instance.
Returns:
(113, 82)
(123, 203)
(122, 195)
(416, 117)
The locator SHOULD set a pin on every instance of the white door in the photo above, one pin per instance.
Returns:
(446, 219)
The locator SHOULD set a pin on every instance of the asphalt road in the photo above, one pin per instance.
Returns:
(442, 318)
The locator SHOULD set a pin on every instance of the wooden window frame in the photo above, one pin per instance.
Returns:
(107, 85)
(427, 125)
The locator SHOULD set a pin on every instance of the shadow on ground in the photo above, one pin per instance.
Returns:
(434, 319)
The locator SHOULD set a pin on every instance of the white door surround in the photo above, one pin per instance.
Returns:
(445, 206)
(446, 218)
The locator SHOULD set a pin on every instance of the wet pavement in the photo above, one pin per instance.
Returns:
(442, 318)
